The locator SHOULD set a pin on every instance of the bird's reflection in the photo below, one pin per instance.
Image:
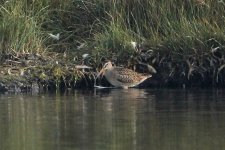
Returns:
(129, 94)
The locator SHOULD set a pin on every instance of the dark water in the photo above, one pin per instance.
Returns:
(133, 119)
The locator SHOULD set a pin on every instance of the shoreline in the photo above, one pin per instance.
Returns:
(34, 72)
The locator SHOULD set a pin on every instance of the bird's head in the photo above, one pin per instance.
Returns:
(106, 67)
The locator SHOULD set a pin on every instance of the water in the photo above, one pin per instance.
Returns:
(133, 119)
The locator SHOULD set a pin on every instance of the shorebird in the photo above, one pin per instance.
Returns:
(122, 77)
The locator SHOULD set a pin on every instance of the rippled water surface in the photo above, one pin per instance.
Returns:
(117, 119)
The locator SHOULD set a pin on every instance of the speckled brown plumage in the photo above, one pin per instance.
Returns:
(122, 77)
(126, 75)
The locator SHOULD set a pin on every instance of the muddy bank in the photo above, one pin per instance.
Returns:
(50, 71)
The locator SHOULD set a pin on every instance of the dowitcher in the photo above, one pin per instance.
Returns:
(122, 77)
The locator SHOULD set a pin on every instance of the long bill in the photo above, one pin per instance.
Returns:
(101, 72)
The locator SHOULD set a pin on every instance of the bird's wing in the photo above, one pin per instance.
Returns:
(126, 75)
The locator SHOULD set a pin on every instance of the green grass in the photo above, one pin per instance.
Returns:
(181, 27)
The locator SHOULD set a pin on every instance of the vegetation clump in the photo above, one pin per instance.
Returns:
(181, 41)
